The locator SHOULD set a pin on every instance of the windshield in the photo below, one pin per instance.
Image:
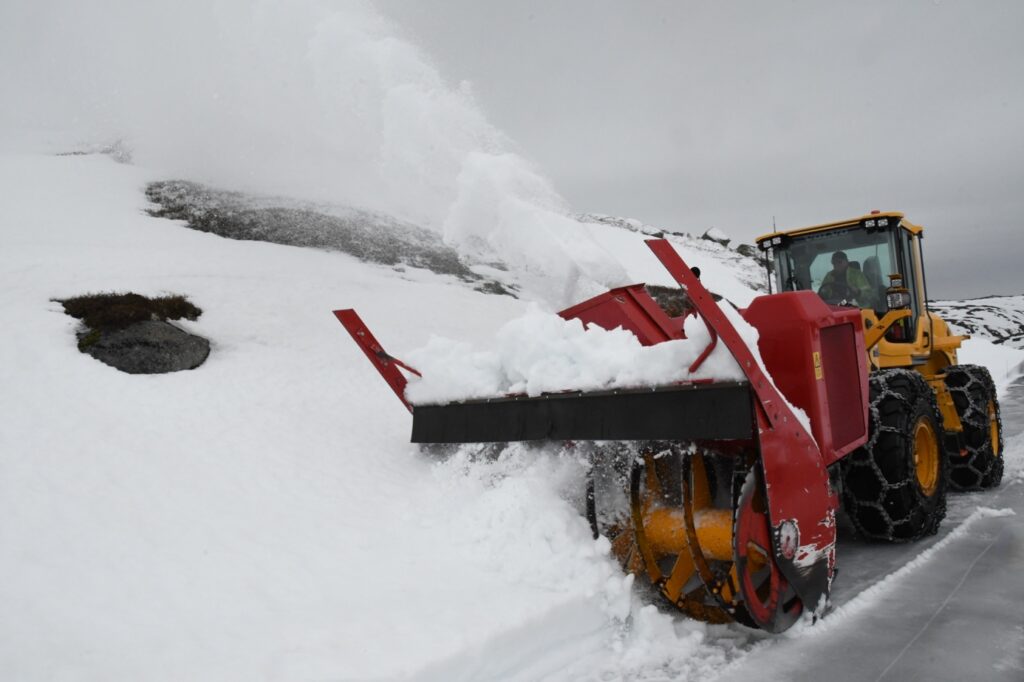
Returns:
(845, 267)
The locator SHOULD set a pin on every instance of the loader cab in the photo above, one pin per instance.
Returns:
(885, 251)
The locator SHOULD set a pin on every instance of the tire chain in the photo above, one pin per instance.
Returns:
(881, 385)
(978, 469)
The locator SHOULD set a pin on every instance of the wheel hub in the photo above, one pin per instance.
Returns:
(926, 456)
(993, 427)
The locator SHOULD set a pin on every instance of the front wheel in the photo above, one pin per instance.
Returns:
(894, 486)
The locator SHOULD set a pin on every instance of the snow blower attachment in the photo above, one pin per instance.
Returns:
(718, 491)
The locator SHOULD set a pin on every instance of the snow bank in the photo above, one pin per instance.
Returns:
(1005, 363)
(540, 352)
(658, 647)
(1013, 463)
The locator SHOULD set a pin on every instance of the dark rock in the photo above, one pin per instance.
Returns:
(672, 300)
(748, 250)
(369, 236)
(493, 287)
(150, 347)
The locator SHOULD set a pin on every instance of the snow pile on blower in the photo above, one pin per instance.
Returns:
(542, 353)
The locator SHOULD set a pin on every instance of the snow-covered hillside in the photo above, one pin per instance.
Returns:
(997, 318)
(743, 260)
(264, 517)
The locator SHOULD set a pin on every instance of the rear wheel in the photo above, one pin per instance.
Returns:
(974, 394)
(894, 487)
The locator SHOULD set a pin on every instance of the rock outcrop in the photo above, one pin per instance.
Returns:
(150, 347)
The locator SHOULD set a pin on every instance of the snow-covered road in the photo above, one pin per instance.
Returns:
(948, 608)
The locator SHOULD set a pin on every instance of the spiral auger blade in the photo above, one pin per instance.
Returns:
(696, 528)
(675, 529)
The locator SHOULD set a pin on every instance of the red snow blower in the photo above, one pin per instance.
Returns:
(729, 502)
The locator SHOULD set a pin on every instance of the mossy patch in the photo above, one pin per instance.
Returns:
(89, 338)
(133, 333)
(106, 312)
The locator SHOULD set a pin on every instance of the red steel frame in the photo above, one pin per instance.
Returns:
(375, 353)
(796, 479)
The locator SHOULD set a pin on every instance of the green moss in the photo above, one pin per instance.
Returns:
(106, 312)
(88, 339)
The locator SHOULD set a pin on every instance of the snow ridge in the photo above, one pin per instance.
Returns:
(998, 318)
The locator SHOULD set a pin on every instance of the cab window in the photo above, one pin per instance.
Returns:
(805, 262)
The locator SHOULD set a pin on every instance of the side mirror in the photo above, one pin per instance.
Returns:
(897, 296)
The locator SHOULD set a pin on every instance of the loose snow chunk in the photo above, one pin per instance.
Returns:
(540, 352)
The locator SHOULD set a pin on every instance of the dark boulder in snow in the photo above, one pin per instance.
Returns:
(748, 250)
(370, 236)
(149, 347)
(131, 332)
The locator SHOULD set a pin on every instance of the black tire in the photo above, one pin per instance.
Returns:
(974, 394)
(883, 492)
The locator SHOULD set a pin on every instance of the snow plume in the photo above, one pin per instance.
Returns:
(300, 97)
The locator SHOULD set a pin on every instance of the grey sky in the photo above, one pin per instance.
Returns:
(691, 115)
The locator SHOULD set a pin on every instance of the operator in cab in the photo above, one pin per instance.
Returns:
(844, 283)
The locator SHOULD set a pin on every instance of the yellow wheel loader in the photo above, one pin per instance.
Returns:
(931, 420)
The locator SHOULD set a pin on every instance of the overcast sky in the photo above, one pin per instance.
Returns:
(692, 115)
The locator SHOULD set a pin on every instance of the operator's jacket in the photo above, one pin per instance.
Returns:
(856, 288)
